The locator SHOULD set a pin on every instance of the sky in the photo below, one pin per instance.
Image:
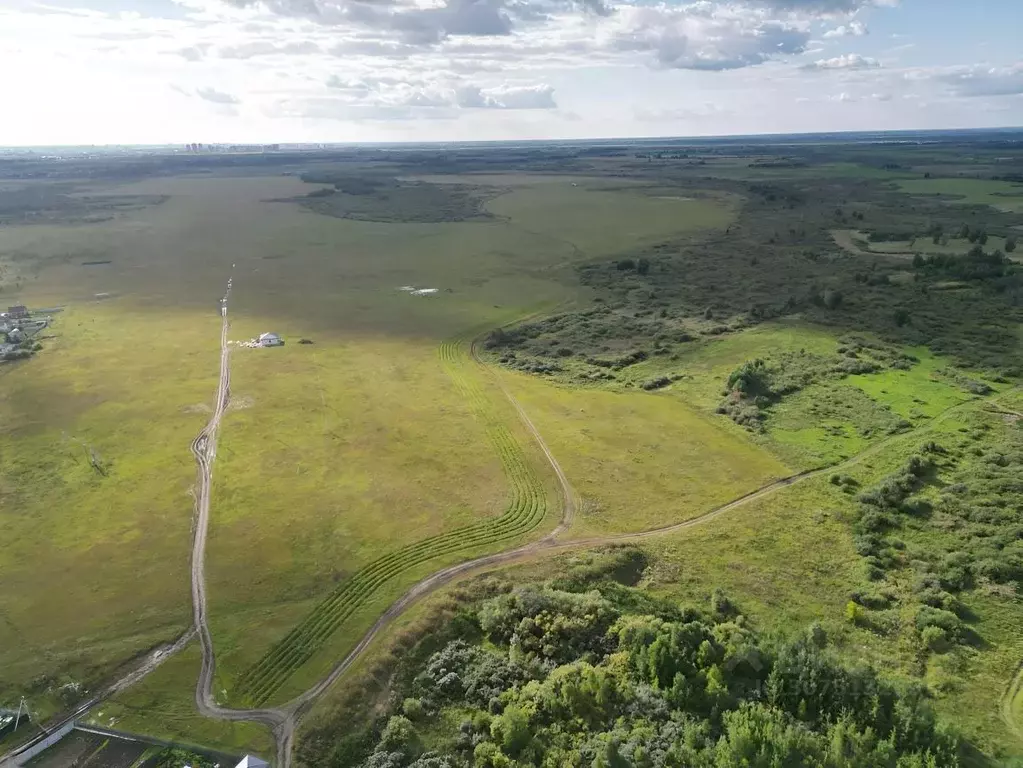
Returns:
(179, 71)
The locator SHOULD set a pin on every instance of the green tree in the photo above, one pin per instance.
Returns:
(832, 299)
(935, 639)
(400, 735)
(1010, 244)
(511, 730)
(750, 378)
(854, 613)
(757, 736)
(487, 755)
(413, 709)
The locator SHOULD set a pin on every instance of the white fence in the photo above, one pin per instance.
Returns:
(22, 757)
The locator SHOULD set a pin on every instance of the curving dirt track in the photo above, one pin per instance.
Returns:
(283, 720)
(1013, 693)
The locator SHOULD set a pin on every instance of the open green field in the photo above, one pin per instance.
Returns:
(679, 333)
(641, 460)
(332, 455)
(790, 560)
(1003, 195)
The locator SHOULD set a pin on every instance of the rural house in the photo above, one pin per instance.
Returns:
(249, 761)
(17, 312)
(270, 340)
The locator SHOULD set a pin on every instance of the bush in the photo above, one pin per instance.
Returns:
(399, 736)
(816, 634)
(720, 604)
(877, 601)
(935, 639)
(657, 383)
(832, 299)
(511, 730)
(413, 709)
(927, 616)
(750, 378)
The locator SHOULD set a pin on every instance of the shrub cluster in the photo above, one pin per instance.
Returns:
(586, 679)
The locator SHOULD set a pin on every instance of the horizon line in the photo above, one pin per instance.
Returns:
(478, 142)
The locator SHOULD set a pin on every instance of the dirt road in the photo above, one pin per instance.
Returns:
(139, 670)
(204, 449)
(283, 720)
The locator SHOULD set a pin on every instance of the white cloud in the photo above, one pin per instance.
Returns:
(507, 97)
(982, 80)
(440, 93)
(854, 28)
(267, 48)
(215, 96)
(848, 61)
(414, 69)
(705, 36)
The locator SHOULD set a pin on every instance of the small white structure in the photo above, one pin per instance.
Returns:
(251, 761)
(270, 340)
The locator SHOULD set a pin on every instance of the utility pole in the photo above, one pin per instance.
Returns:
(18, 718)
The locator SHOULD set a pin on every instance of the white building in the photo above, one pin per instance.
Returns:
(250, 761)
(270, 340)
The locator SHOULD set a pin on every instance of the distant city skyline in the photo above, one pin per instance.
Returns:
(320, 71)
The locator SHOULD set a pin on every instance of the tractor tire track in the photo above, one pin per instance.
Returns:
(283, 720)
(1007, 705)
(526, 510)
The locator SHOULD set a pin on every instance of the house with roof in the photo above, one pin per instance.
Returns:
(251, 761)
(270, 340)
(17, 312)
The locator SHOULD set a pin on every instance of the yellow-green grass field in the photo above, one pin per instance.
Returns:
(789, 559)
(641, 460)
(823, 423)
(95, 561)
(333, 454)
(162, 692)
(958, 246)
(856, 242)
(1003, 195)
(603, 220)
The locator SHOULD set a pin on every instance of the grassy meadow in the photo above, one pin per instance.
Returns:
(641, 460)
(1004, 195)
(333, 453)
(789, 560)
(355, 464)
